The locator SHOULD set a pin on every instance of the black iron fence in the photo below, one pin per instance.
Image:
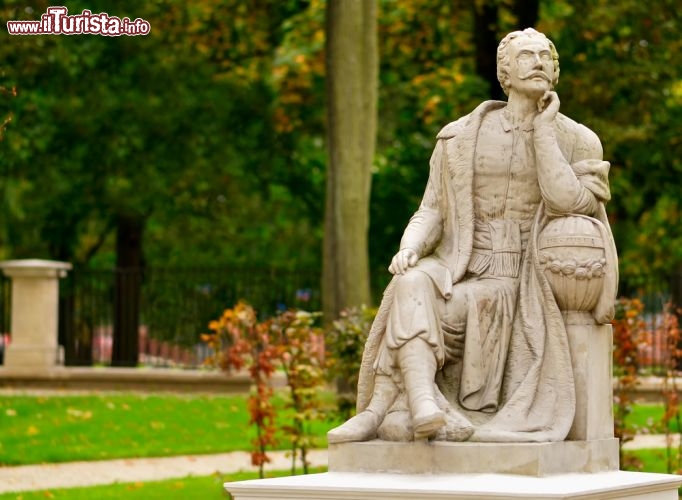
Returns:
(167, 310)
(160, 313)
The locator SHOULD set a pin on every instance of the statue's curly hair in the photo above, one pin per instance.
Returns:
(503, 61)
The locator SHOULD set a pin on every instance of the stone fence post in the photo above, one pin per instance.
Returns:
(35, 310)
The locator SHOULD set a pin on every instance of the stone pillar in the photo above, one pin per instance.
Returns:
(592, 360)
(35, 310)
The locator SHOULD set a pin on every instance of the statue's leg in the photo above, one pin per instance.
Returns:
(453, 327)
(415, 313)
(418, 366)
(413, 317)
(415, 342)
(453, 323)
(364, 425)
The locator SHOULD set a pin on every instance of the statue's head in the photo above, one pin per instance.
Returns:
(526, 52)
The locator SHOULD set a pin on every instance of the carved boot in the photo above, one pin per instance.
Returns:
(418, 366)
(364, 425)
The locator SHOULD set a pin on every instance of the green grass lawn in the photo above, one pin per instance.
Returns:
(60, 428)
(648, 416)
(41, 429)
(209, 487)
(647, 461)
(205, 487)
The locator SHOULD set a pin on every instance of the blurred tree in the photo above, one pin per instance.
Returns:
(352, 68)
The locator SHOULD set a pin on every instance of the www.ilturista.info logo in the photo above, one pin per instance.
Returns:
(56, 21)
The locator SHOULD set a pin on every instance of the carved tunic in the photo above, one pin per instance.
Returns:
(509, 156)
(506, 196)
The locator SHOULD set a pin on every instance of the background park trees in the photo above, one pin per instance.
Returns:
(205, 142)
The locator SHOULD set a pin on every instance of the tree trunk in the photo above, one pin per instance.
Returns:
(352, 79)
(485, 40)
(127, 290)
(526, 12)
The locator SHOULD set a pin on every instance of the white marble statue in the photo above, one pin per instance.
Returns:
(469, 342)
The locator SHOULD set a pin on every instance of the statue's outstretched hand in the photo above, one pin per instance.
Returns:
(403, 260)
(548, 107)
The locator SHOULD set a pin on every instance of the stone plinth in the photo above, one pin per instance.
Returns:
(438, 457)
(35, 310)
(365, 486)
(591, 358)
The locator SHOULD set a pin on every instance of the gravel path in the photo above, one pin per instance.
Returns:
(644, 441)
(74, 474)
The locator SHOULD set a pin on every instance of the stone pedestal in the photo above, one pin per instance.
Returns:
(591, 357)
(440, 457)
(35, 310)
(440, 470)
(365, 486)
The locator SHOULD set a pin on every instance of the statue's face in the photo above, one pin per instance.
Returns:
(531, 66)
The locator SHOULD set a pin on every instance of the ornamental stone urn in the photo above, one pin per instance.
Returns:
(571, 251)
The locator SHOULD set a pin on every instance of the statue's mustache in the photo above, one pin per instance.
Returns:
(533, 74)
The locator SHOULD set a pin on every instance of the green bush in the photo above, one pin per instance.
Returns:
(345, 342)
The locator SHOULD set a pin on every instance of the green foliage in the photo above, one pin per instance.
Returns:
(303, 363)
(290, 342)
(345, 341)
(657, 246)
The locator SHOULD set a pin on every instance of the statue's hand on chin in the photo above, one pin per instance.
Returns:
(548, 107)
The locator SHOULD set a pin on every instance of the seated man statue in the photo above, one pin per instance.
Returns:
(469, 342)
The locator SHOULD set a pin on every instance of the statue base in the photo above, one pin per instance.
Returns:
(440, 457)
(366, 486)
(439, 470)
